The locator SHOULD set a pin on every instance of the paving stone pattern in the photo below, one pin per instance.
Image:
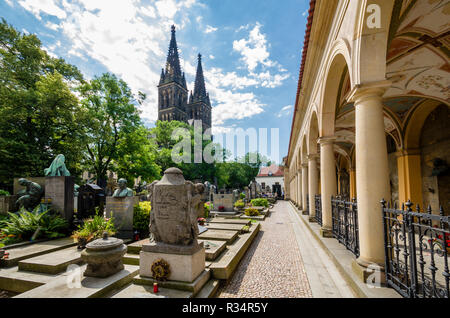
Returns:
(272, 266)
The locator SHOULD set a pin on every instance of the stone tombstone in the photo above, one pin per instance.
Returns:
(8, 204)
(121, 209)
(61, 191)
(253, 189)
(174, 228)
(247, 194)
(225, 200)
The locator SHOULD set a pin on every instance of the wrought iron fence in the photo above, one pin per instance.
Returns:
(307, 204)
(345, 223)
(417, 247)
(318, 201)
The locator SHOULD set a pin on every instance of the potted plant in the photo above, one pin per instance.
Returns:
(92, 229)
(201, 221)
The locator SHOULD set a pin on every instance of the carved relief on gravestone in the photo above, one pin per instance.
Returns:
(175, 204)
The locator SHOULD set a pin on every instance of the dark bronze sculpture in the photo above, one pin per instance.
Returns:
(30, 197)
(123, 191)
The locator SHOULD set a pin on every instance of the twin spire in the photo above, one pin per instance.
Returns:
(173, 72)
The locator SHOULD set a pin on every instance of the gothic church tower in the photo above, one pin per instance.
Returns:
(173, 102)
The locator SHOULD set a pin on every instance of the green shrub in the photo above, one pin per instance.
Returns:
(3, 219)
(26, 225)
(251, 212)
(239, 204)
(141, 217)
(242, 196)
(3, 192)
(92, 229)
(260, 202)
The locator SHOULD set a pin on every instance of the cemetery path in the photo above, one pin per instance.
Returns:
(285, 261)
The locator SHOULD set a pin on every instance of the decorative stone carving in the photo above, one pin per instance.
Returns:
(175, 204)
(104, 256)
(173, 228)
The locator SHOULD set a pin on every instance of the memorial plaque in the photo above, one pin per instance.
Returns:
(121, 209)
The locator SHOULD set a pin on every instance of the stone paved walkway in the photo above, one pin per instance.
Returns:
(272, 266)
(286, 261)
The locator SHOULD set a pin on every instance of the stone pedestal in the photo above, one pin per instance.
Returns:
(186, 262)
(60, 191)
(7, 204)
(121, 209)
(225, 200)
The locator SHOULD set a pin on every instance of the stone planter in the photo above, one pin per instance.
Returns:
(104, 257)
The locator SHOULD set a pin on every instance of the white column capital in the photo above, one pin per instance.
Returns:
(312, 156)
(362, 92)
(305, 165)
(326, 140)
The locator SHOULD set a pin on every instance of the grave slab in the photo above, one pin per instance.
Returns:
(131, 259)
(214, 250)
(226, 264)
(258, 217)
(229, 221)
(225, 226)
(33, 250)
(52, 263)
(209, 290)
(11, 279)
(219, 235)
(145, 291)
(135, 247)
(91, 287)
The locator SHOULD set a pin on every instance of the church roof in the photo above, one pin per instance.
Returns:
(199, 87)
(173, 68)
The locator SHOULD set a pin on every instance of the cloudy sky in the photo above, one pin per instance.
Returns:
(251, 49)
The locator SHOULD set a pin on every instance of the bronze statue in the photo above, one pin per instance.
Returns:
(57, 168)
(30, 197)
(122, 191)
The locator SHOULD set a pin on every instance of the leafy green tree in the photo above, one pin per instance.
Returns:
(112, 126)
(38, 111)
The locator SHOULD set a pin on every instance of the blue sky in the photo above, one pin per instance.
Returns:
(251, 49)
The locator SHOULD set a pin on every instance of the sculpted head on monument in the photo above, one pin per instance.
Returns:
(175, 204)
(122, 191)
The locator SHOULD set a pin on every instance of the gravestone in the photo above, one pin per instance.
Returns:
(121, 209)
(8, 203)
(173, 249)
(61, 192)
(225, 200)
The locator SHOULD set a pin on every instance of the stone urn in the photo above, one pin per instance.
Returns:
(104, 256)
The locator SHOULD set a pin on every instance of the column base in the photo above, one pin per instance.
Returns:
(324, 232)
(305, 212)
(312, 219)
(369, 273)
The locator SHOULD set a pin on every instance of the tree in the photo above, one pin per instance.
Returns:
(38, 111)
(111, 120)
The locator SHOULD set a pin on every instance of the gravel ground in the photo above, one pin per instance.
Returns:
(272, 267)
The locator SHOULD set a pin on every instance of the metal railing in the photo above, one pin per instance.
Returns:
(417, 247)
(345, 223)
(318, 201)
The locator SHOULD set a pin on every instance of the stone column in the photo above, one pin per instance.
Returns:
(409, 176)
(372, 176)
(313, 185)
(304, 187)
(328, 183)
(299, 190)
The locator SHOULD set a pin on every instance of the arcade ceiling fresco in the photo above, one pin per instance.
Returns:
(417, 64)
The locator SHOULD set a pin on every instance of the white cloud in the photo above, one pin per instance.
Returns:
(254, 50)
(285, 111)
(10, 3)
(210, 29)
(45, 6)
(305, 13)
